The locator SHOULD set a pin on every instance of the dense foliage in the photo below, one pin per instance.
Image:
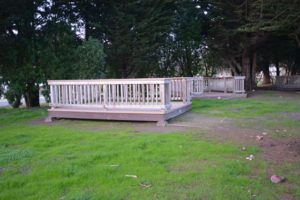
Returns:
(42, 39)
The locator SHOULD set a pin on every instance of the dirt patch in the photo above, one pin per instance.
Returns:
(294, 145)
(25, 170)
(153, 128)
(295, 116)
(220, 129)
(227, 130)
(283, 150)
(40, 121)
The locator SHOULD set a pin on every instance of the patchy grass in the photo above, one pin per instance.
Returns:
(72, 161)
(269, 111)
(10, 116)
(40, 162)
(244, 108)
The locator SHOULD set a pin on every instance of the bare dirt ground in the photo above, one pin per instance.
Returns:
(278, 150)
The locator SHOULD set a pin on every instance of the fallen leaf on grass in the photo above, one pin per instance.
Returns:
(131, 176)
(112, 165)
(251, 157)
(259, 137)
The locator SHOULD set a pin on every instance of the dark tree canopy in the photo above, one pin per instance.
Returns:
(77, 39)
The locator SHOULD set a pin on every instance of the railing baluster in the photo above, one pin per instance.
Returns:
(110, 94)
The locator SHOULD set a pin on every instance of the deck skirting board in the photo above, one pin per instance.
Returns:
(176, 112)
(159, 116)
(220, 95)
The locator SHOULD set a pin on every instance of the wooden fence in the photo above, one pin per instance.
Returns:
(198, 85)
(234, 84)
(181, 88)
(288, 82)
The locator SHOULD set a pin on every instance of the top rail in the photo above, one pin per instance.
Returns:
(153, 93)
(110, 81)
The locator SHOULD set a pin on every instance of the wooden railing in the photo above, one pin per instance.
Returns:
(111, 93)
(239, 84)
(181, 88)
(198, 85)
(288, 81)
(234, 84)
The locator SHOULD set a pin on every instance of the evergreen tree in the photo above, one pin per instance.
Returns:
(39, 42)
(132, 32)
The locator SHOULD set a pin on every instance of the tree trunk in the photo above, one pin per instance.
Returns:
(17, 102)
(246, 69)
(32, 97)
(124, 70)
(266, 73)
(232, 67)
(293, 69)
(206, 69)
(188, 64)
(253, 70)
(277, 69)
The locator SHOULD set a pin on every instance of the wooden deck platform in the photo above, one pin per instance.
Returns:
(147, 99)
(150, 99)
(134, 114)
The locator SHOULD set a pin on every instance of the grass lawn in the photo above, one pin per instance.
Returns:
(245, 108)
(41, 161)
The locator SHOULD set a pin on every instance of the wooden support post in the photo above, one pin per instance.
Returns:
(162, 123)
(51, 96)
(162, 95)
(49, 119)
(225, 85)
(105, 95)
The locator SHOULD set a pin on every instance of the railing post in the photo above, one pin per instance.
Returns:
(51, 96)
(225, 85)
(165, 94)
(201, 84)
(189, 85)
(184, 89)
(235, 84)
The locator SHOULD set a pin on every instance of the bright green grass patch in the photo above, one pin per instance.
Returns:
(245, 108)
(40, 162)
(10, 116)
